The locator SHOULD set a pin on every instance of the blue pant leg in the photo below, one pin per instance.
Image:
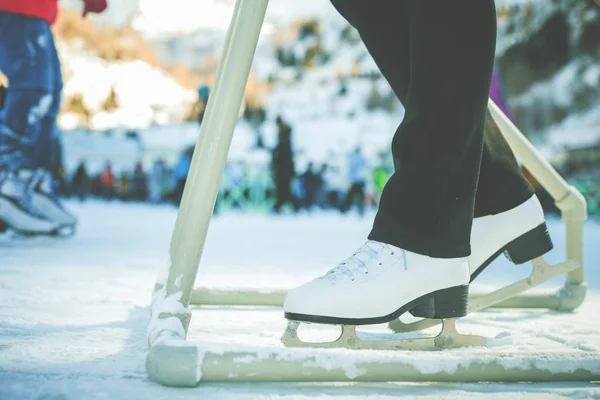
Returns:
(27, 52)
(46, 149)
(47, 154)
(29, 61)
(23, 114)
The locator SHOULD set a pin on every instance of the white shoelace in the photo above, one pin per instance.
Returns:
(358, 262)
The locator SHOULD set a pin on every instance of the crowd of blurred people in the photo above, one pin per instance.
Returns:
(278, 186)
(274, 187)
(325, 186)
(136, 185)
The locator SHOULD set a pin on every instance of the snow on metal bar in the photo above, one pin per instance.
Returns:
(181, 363)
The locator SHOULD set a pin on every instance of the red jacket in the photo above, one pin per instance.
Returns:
(43, 9)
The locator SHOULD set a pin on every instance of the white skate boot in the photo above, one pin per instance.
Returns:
(17, 211)
(377, 284)
(520, 233)
(49, 205)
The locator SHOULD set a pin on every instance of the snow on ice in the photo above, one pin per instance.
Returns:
(74, 313)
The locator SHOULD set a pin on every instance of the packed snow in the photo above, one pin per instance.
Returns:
(75, 312)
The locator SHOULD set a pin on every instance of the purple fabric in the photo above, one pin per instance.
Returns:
(496, 94)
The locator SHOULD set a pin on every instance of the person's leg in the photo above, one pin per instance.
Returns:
(48, 134)
(279, 195)
(24, 110)
(358, 197)
(360, 193)
(348, 199)
(44, 156)
(24, 60)
(44, 150)
(289, 197)
(427, 205)
(383, 27)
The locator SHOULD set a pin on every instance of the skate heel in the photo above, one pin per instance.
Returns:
(445, 303)
(530, 245)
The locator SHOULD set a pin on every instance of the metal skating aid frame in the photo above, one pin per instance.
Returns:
(173, 361)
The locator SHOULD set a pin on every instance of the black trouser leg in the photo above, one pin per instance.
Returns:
(427, 206)
(439, 144)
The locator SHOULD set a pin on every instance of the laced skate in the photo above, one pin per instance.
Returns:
(17, 210)
(45, 200)
(521, 234)
(350, 295)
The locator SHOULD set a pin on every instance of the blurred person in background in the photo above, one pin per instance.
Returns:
(29, 59)
(334, 186)
(139, 184)
(107, 182)
(321, 187)
(283, 167)
(310, 181)
(181, 172)
(80, 182)
(123, 187)
(357, 175)
(156, 181)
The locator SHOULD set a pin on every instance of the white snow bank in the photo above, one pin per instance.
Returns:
(144, 94)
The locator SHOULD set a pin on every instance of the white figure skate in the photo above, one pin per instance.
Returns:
(17, 211)
(377, 284)
(44, 200)
(520, 233)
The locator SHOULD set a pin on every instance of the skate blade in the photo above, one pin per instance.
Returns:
(448, 338)
(63, 232)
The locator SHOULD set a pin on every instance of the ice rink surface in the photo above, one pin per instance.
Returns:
(74, 312)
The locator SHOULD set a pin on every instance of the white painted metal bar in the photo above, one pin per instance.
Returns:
(186, 364)
(211, 150)
(568, 199)
(238, 297)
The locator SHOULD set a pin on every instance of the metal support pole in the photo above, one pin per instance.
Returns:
(211, 150)
(568, 199)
